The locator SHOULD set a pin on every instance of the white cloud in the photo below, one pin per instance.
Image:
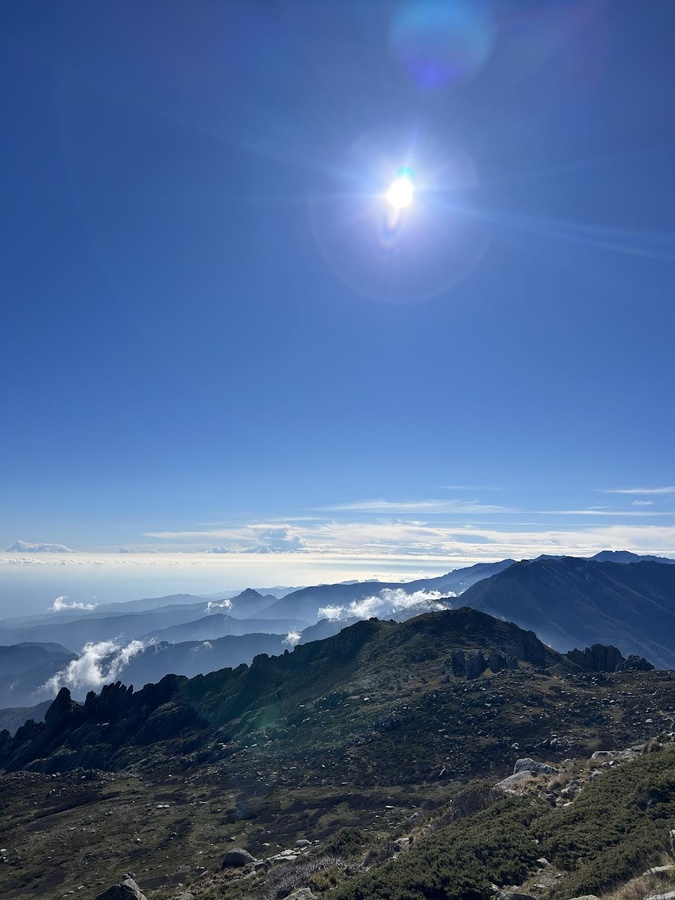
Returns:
(99, 663)
(668, 489)
(63, 602)
(292, 638)
(388, 602)
(214, 605)
(29, 547)
(642, 502)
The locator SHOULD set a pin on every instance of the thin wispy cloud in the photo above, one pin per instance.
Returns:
(668, 489)
(417, 506)
(594, 511)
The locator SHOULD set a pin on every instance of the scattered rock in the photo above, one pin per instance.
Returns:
(303, 843)
(127, 889)
(513, 895)
(536, 768)
(301, 894)
(658, 869)
(236, 857)
(513, 780)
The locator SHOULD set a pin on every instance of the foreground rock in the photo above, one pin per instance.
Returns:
(127, 889)
(536, 768)
(236, 857)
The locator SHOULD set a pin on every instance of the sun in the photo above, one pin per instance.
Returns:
(401, 191)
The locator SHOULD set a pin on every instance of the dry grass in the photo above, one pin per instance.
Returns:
(649, 884)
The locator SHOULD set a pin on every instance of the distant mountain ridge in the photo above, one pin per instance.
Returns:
(571, 602)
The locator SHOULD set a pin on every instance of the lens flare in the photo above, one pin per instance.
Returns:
(409, 241)
(442, 42)
(402, 191)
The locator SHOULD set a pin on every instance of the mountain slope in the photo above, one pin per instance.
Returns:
(24, 669)
(219, 625)
(349, 680)
(352, 741)
(572, 602)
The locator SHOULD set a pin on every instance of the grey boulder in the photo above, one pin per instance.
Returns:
(127, 889)
(236, 857)
(535, 768)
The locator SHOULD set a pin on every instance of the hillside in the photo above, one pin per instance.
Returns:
(363, 730)
(572, 602)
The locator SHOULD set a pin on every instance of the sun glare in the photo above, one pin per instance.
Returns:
(401, 192)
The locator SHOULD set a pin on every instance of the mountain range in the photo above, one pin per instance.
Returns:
(573, 602)
(568, 602)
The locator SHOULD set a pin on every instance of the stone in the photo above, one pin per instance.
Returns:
(536, 768)
(513, 780)
(458, 663)
(127, 889)
(303, 843)
(476, 664)
(301, 894)
(513, 895)
(236, 857)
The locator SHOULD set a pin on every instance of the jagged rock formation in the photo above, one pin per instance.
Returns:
(89, 735)
(600, 658)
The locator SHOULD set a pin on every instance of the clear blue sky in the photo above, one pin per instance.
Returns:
(210, 339)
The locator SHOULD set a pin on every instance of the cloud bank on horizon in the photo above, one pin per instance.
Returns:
(30, 547)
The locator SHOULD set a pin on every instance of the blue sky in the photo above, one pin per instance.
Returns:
(212, 339)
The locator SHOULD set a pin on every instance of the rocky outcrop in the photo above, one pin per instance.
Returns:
(601, 658)
(127, 889)
(531, 765)
(472, 664)
(636, 664)
(95, 733)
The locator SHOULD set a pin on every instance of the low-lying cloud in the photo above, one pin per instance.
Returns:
(292, 638)
(63, 602)
(389, 602)
(218, 605)
(100, 663)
